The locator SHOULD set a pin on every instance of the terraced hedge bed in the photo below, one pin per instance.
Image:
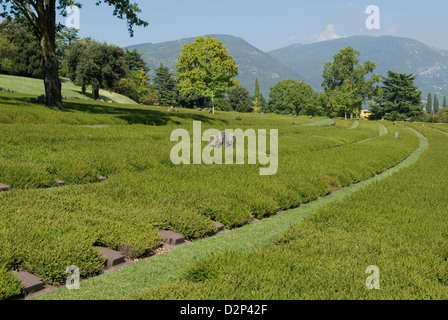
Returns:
(43, 230)
(399, 225)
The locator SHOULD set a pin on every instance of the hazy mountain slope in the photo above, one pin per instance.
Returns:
(251, 61)
(390, 53)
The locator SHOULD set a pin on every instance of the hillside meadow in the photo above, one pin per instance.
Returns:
(45, 229)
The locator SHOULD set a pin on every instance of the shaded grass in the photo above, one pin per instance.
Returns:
(35, 87)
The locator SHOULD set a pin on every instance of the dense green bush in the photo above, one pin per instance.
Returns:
(9, 284)
(398, 224)
(46, 230)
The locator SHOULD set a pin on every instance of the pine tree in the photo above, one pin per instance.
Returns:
(400, 99)
(444, 103)
(165, 84)
(436, 105)
(429, 104)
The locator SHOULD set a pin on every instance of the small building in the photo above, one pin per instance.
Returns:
(365, 114)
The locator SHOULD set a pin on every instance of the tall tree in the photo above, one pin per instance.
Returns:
(348, 74)
(260, 103)
(400, 99)
(134, 60)
(240, 100)
(445, 105)
(96, 64)
(436, 104)
(294, 97)
(165, 85)
(41, 18)
(429, 104)
(26, 58)
(206, 69)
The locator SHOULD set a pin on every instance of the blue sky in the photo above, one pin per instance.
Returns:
(269, 24)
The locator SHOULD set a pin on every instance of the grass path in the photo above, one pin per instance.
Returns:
(320, 123)
(168, 267)
(355, 125)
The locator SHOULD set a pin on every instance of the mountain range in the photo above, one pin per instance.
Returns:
(305, 61)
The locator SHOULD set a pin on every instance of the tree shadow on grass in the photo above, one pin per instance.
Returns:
(129, 113)
(141, 115)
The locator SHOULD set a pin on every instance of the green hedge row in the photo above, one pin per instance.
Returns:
(399, 225)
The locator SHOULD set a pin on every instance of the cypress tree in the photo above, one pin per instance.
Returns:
(259, 99)
(444, 102)
(436, 105)
(429, 104)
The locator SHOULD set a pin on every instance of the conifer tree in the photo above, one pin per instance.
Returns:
(165, 84)
(400, 99)
(429, 104)
(436, 105)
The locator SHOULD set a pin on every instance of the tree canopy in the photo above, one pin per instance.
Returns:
(347, 83)
(293, 97)
(40, 16)
(95, 64)
(240, 100)
(206, 69)
(399, 98)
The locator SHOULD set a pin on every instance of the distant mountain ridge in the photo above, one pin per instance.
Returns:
(305, 61)
(402, 55)
(251, 61)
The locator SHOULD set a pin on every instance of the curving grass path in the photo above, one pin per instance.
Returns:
(170, 266)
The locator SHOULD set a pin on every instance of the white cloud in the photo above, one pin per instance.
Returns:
(285, 42)
(328, 34)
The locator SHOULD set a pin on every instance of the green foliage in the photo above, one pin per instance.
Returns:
(325, 257)
(134, 61)
(346, 82)
(398, 99)
(293, 97)
(260, 103)
(138, 199)
(436, 104)
(9, 284)
(64, 37)
(19, 51)
(240, 100)
(165, 85)
(95, 64)
(205, 69)
(429, 104)
(445, 105)
(442, 115)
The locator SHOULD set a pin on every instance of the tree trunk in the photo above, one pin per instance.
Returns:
(83, 88)
(96, 93)
(50, 65)
(53, 85)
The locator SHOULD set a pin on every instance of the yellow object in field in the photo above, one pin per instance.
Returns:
(366, 114)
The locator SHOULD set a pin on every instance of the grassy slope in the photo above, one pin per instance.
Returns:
(171, 266)
(399, 225)
(35, 87)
